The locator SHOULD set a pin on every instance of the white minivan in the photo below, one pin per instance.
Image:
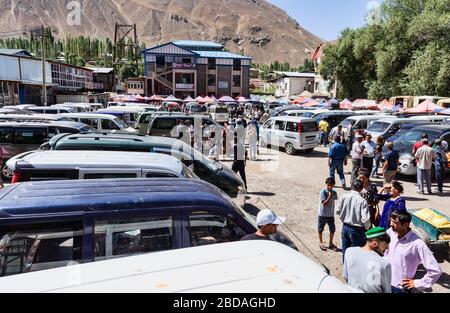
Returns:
(291, 133)
(220, 114)
(244, 266)
(101, 122)
(67, 165)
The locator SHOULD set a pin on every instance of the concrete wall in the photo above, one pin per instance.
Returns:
(245, 81)
(202, 79)
(224, 80)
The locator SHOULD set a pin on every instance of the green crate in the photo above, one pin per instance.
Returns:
(432, 232)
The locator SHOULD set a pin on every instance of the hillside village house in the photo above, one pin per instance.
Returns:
(196, 68)
(21, 79)
(290, 84)
(321, 85)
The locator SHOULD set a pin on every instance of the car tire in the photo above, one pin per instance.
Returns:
(289, 148)
(7, 174)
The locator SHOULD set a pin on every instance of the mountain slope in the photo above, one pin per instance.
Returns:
(253, 27)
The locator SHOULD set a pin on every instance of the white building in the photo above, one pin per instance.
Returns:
(321, 85)
(290, 84)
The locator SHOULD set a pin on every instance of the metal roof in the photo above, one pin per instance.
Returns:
(194, 43)
(296, 74)
(101, 70)
(221, 55)
(16, 52)
(79, 196)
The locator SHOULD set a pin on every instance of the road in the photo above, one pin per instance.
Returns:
(290, 185)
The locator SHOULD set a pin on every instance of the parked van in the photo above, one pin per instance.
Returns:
(101, 122)
(404, 144)
(302, 113)
(51, 224)
(79, 107)
(334, 118)
(444, 103)
(33, 118)
(405, 102)
(205, 168)
(19, 137)
(165, 125)
(127, 114)
(388, 127)
(206, 269)
(219, 114)
(51, 110)
(359, 122)
(146, 117)
(291, 133)
(419, 100)
(65, 165)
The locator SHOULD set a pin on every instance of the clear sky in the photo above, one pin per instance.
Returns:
(327, 18)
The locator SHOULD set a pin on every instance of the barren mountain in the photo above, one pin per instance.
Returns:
(254, 27)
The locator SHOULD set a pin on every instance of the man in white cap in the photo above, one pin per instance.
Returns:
(267, 222)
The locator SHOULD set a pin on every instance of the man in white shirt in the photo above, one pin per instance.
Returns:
(365, 268)
(357, 156)
(353, 211)
(424, 157)
(369, 152)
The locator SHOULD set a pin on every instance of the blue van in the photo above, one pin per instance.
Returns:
(53, 224)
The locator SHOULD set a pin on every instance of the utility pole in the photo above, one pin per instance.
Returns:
(40, 32)
(44, 84)
(122, 34)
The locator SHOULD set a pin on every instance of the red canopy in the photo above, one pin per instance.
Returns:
(199, 99)
(310, 104)
(425, 107)
(385, 105)
(155, 98)
(207, 100)
(299, 100)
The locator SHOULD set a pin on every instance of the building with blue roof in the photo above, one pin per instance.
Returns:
(196, 68)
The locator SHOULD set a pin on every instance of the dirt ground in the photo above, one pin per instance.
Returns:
(290, 186)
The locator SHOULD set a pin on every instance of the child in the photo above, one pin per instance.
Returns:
(328, 197)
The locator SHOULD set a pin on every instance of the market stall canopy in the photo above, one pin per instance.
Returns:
(155, 98)
(299, 100)
(243, 100)
(189, 99)
(385, 105)
(207, 100)
(214, 99)
(171, 98)
(425, 107)
(321, 94)
(363, 104)
(226, 99)
(199, 99)
(346, 105)
(311, 104)
(283, 101)
(306, 94)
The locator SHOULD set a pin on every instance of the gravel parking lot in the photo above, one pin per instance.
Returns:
(290, 185)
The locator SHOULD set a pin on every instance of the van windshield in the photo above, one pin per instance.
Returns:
(378, 127)
(211, 164)
(120, 123)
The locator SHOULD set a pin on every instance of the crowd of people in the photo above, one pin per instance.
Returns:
(381, 253)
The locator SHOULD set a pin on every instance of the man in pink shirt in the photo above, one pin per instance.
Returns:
(406, 252)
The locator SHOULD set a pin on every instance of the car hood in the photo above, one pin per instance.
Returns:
(231, 176)
(403, 147)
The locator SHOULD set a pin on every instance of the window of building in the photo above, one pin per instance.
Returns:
(123, 237)
(211, 80)
(186, 60)
(211, 64)
(236, 80)
(206, 228)
(160, 60)
(236, 65)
